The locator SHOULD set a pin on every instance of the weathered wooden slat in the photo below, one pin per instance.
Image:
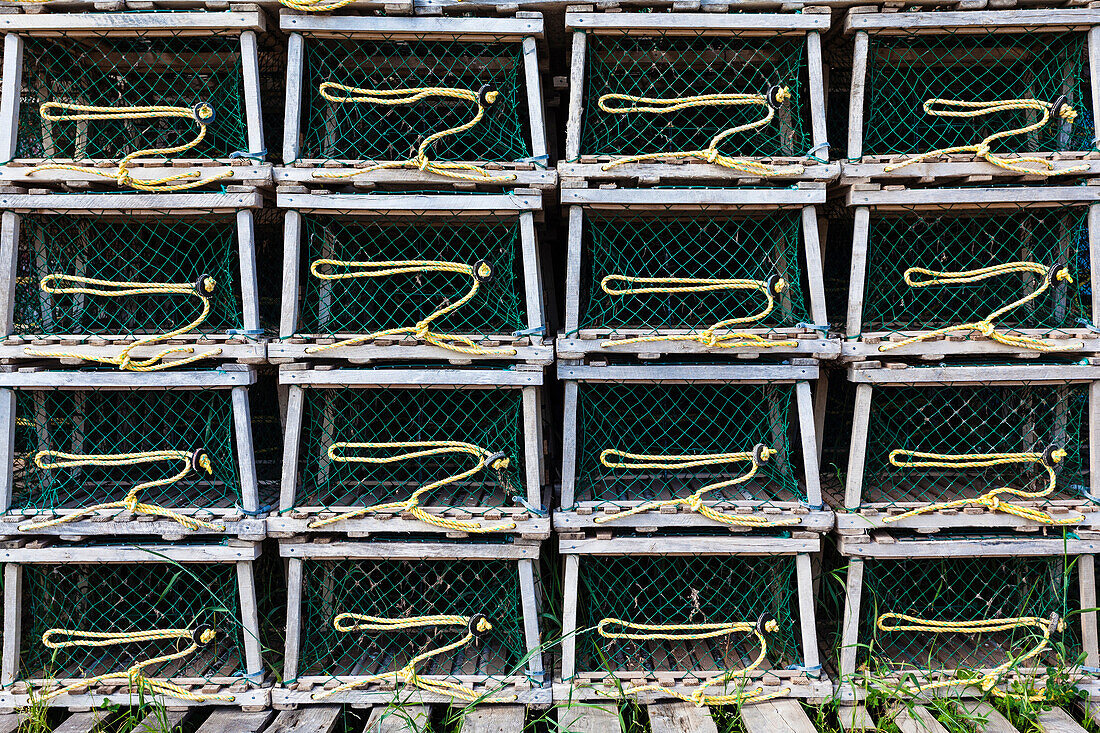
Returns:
(232, 720)
(776, 716)
(163, 721)
(493, 719)
(311, 719)
(1057, 720)
(82, 722)
(9, 722)
(682, 717)
(984, 717)
(398, 719)
(589, 718)
(855, 718)
(917, 719)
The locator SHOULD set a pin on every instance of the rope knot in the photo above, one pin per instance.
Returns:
(986, 328)
(783, 95)
(1064, 275)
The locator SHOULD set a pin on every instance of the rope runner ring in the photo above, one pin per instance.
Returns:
(202, 113)
(499, 462)
(484, 98)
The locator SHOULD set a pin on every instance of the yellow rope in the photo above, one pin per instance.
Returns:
(202, 289)
(484, 98)
(636, 461)
(685, 285)
(476, 626)
(306, 6)
(776, 98)
(991, 499)
(956, 108)
(478, 273)
(192, 461)
(986, 325)
(421, 449)
(202, 114)
(680, 632)
(199, 638)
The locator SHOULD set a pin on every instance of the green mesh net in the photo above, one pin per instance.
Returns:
(133, 71)
(368, 304)
(404, 588)
(129, 598)
(684, 419)
(692, 590)
(670, 67)
(905, 71)
(125, 249)
(362, 131)
(751, 246)
(957, 242)
(979, 419)
(488, 418)
(94, 422)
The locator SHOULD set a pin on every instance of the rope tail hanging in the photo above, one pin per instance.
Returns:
(202, 113)
(484, 98)
(711, 338)
(1059, 109)
(476, 626)
(203, 289)
(198, 638)
(417, 450)
(636, 461)
(776, 97)
(197, 462)
(479, 273)
(1051, 276)
(687, 632)
(1048, 459)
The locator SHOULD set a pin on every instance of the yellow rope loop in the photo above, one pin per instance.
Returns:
(480, 272)
(499, 462)
(1025, 165)
(915, 278)
(484, 98)
(306, 6)
(202, 113)
(203, 289)
(638, 286)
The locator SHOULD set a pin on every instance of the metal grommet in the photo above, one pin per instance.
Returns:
(196, 457)
(200, 286)
(198, 633)
(204, 113)
(1052, 274)
(773, 284)
(773, 96)
(1057, 104)
(481, 267)
(483, 95)
(758, 453)
(762, 622)
(475, 620)
(1048, 455)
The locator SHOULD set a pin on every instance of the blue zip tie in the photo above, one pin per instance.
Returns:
(823, 328)
(814, 149)
(814, 671)
(249, 333)
(242, 154)
(538, 512)
(262, 510)
(539, 160)
(538, 331)
(812, 507)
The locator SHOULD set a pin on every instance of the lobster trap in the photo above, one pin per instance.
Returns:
(84, 624)
(728, 95)
(956, 272)
(96, 453)
(972, 447)
(152, 102)
(955, 94)
(415, 101)
(431, 622)
(671, 271)
(88, 279)
(406, 450)
(357, 283)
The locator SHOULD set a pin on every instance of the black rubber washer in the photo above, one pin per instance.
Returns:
(197, 110)
(474, 621)
(773, 284)
(493, 457)
(200, 287)
(483, 95)
(196, 635)
(1048, 456)
(763, 621)
(773, 96)
(196, 457)
(758, 453)
(1057, 104)
(477, 268)
(1052, 274)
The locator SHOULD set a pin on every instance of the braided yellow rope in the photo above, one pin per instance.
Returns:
(306, 6)
(658, 106)
(421, 449)
(199, 638)
(192, 461)
(636, 461)
(202, 114)
(687, 285)
(478, 273)
(990, 499)
(484, 99)
(986, 326)
(476, 626)
(1027, 165)
(202, 289)
(680, 632)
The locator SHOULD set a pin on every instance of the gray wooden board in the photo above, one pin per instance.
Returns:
(182, 22)
(776, 716)
(917, 719)
(682, 717)
(589, 718)
(9, 722)
(855, 718)
(1057, 720)
(162, 721)
(82, 722)
(312, 719)
(398, 719)
(390, 26)
(232, 720)
(493, 719)
(657, 22)
(984, 717)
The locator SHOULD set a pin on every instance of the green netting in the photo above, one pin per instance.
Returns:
(488, 418)
(963, 589)
(751, 246)
(404, 588)
(125, 249)
(678, 66)
(368, 304)
(111, 423)
(905, 71)
(686, 590)
(684, 419)
(126, 598)
(957, 242)
(960, 419)
(133, 71)
(359, 131)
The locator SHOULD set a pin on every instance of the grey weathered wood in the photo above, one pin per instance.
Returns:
(857, 283)
(108, 202)
(250, 622)
(681, 717)
(684, 546)
(533, 83)
(569, 617)
(856, 96)
(576, 97)
(1057, 720)
(7, 447)
(246, 457)
(1094, 81)
(407, 202)
(390, 27)
(232, 720)
(81, 722)
(179, 23)
(308, 719)
(686, 373)
(984, 717)
(916, 719)
(9, 269)
(916, 549)
(13, 622)
(811, 654)
(408, 551)
(532, 273)
(976, 21)
(814, 270)
(160, 721)
(708, 22)
(295, 97)
(294, 579)
(1094, 256)
(581, 717)
(127, 380)
(10, 722)
(250, 77)
(493, 719)
(776, 716)
(573, 266)
(570, 427)
(849, 629)
(250, 288)
(292, 242)
(821, 400)
(130, 553)
(532, 445)
(399, 719)
(292, 440)
(10, 88)
(855, 718)
(528, 596)
(1029, 374)
(806, 424)
(1094, 440)
(816, 75)
(1086, 583)
(701, 198)
(971, 197)
(857, 451)
(413, 377)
